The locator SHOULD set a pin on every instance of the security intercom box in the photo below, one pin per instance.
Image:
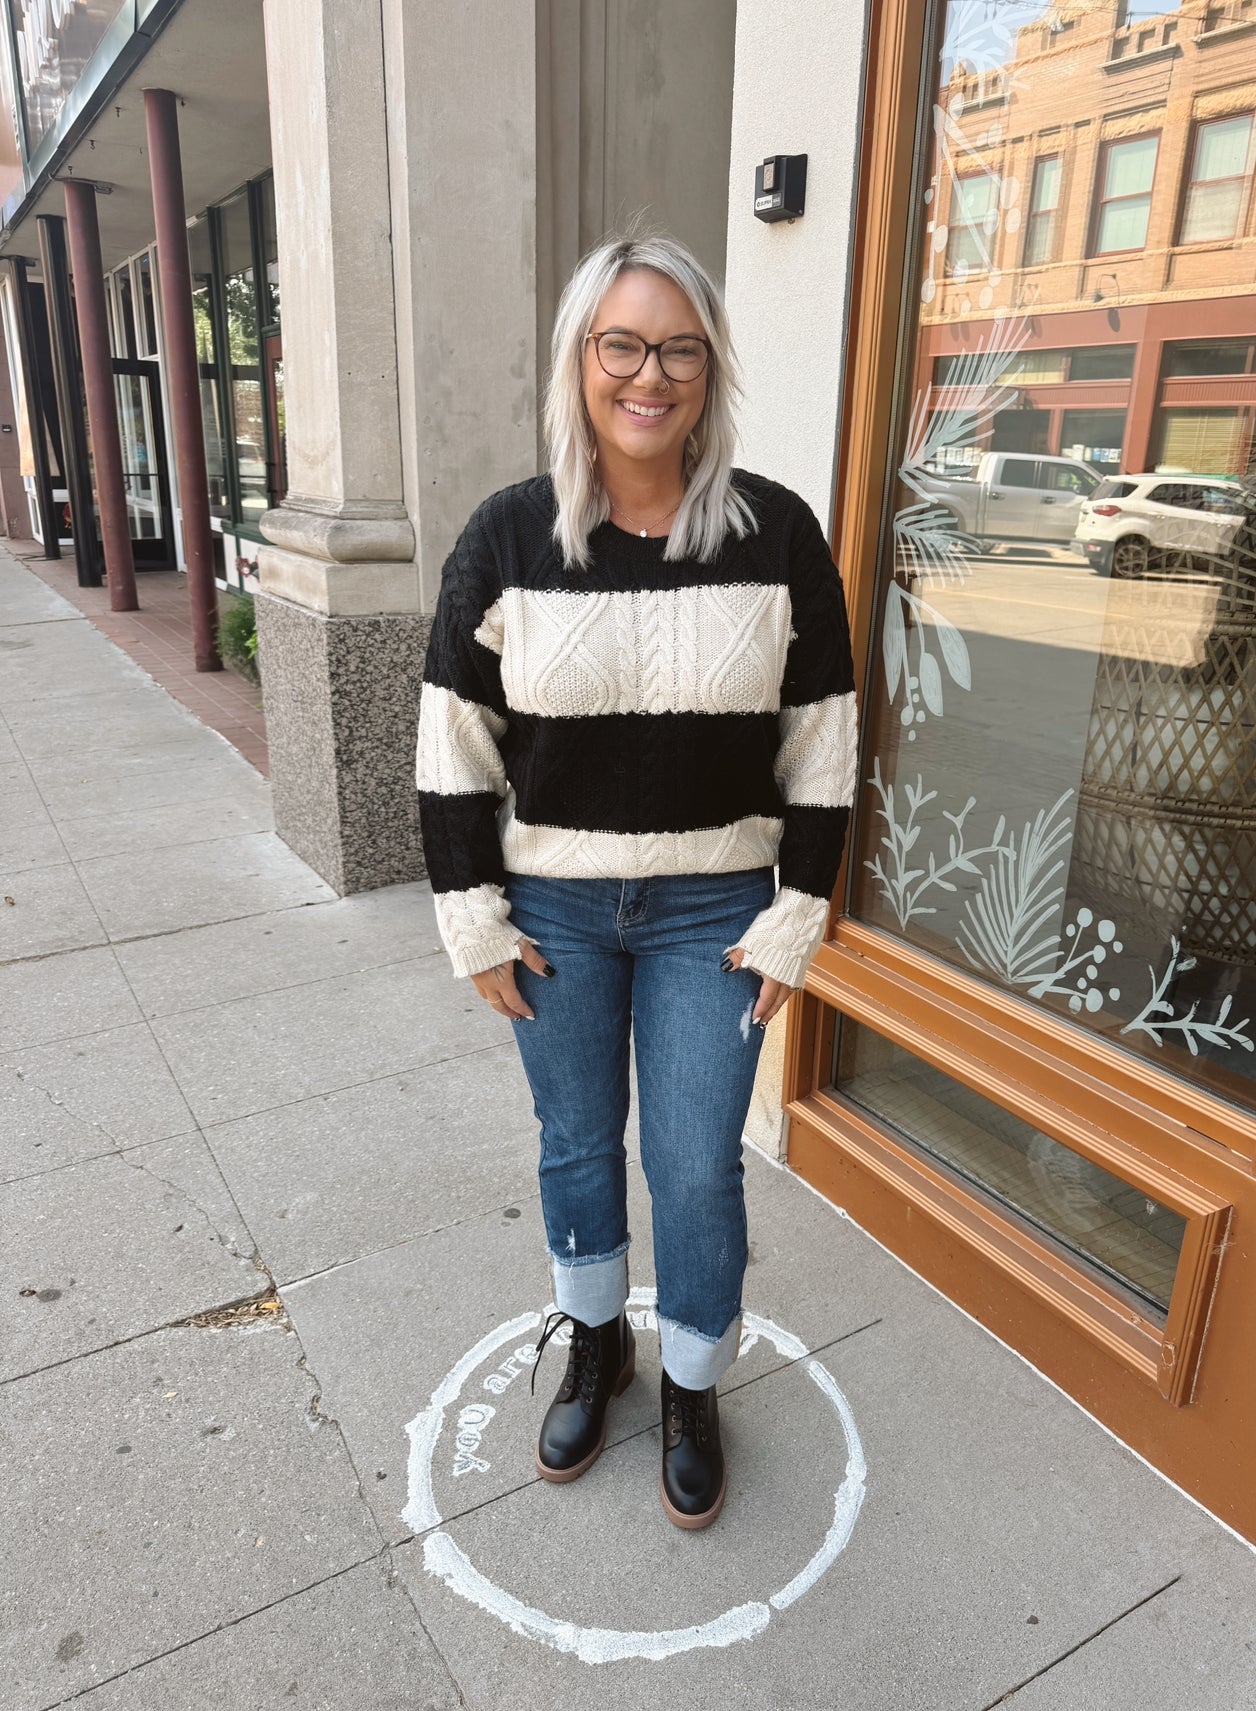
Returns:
(780, 187)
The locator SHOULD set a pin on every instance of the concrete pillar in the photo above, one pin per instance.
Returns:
(83, 229)
(403, 152)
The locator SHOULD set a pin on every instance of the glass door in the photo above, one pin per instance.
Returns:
(137, 385)
(1028, 1057)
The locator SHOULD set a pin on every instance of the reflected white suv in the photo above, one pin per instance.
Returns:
(1133, 524)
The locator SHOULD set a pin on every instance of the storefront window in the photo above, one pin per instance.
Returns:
(270, 251)
(146, 319)
(1059, 781)
(202, 258)
(247, 402)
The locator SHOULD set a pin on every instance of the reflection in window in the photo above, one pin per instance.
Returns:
(270, 251)
(1102, 362)
(200, 253)
(1220, 167)
(973, 201)
(248, 408)
(1139, 11)
(1044, 204)
(1093, 436)
(1059, 796)
(1125, 179)
(1205, 442)
(146, 321)
(1215, 356)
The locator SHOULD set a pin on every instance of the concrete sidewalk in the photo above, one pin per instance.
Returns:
(272, 1265)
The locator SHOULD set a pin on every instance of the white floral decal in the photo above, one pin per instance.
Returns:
(1158, 1018)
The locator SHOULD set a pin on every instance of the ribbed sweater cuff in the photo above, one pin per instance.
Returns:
(783, 938)
(475, 928)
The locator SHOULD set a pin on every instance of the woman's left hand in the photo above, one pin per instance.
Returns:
(773, 994)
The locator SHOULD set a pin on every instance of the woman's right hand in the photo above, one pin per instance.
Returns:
(497, 985)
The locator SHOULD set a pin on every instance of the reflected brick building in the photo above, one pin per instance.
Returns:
(1099, 184)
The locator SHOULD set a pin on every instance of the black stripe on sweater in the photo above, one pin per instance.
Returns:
(811, 848)
(642, 772)
(460, 840)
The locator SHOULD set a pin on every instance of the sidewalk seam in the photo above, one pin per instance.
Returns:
(1011, 1692)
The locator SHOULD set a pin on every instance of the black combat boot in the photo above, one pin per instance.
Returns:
(694, 1478)
(600, 1364)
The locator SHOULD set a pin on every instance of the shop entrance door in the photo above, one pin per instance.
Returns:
(145, 471)
(1026, 1057)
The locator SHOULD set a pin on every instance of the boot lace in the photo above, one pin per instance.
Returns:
(583, 1358)
(687, 1412)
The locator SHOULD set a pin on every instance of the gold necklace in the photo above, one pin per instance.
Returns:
(636, 521)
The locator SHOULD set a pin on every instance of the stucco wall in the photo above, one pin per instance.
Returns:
(796, 89)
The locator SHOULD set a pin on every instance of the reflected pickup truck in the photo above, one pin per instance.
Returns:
(1015, 496)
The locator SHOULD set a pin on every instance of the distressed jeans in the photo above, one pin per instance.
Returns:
(640, 959)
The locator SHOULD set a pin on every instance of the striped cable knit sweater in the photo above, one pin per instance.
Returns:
(636, 718)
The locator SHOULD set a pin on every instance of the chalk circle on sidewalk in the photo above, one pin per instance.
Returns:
(443, 1557)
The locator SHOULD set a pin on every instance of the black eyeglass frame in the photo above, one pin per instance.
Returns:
(612, 332)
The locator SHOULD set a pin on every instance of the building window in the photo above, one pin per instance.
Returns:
(146, 318)
(1102, 362)
(1093, 436)
(1205, 442)
(1214, 356)
(201, 256)
(1044, 205)
(1220, 167)
(1126, 171)
(974, 205)
(247, 406)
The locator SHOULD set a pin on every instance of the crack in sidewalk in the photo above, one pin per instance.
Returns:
(1072, 1651)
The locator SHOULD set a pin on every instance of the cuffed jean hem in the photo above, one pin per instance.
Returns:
(695, 1361)
(592, 1290)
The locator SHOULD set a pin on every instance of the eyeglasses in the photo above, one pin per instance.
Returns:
(622, 355)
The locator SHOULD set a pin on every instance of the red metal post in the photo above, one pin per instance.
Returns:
(83, 231)
(183, 380)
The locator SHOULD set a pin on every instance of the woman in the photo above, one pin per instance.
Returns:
(638, 700)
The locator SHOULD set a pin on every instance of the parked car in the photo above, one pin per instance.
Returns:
(1133, 524)
(1016, 496)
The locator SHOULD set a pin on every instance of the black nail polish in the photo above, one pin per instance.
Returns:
(728, 965)
(549, 969)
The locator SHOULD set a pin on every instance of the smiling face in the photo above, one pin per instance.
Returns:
(648, 418)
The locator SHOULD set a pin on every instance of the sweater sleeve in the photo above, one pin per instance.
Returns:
(460, 775)
(815, 761)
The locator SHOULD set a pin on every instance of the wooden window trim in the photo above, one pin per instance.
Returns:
(1081, 1112)
(1100, 202)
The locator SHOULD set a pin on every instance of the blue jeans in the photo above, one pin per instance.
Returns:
(641, 958)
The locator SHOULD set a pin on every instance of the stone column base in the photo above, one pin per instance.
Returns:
(342, 706)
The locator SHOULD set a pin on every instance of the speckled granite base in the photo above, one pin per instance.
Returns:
(342, 700)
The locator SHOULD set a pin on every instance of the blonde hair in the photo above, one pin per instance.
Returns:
(711, 506)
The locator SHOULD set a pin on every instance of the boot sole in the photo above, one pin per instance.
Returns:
(693, 1523)
(565, 1475)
